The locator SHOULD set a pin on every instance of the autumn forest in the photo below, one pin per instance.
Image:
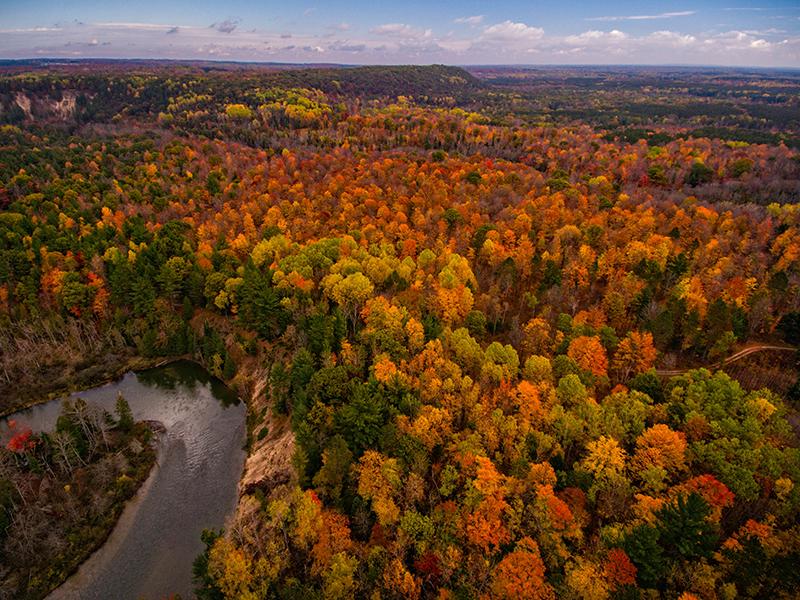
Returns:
(501, 332)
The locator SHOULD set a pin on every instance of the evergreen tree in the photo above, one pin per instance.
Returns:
(684, 529)
(124, 414)
(228, 368)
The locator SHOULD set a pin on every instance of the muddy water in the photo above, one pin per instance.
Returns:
(194, 485)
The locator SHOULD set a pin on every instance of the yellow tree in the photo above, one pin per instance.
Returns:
(537, 337)
(585, 580)
(399, 583)
(604, 458)
(660, 446)
(453, 298)
(379, 478)
(349, 292)
(233, 572)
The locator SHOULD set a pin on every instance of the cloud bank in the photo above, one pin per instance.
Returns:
(473, 41)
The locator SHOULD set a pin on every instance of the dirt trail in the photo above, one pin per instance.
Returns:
(747, 351)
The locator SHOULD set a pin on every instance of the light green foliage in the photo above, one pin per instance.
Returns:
(238, 111)
(418, 528)
(339, 581)
(571, 391)
(737, 424)
(502, 362)
(311, 261)
(349, 292)
(624, 415)
(466, 351)
(537, 368)
(448, 481)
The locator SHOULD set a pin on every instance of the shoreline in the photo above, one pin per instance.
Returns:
(127, 512)
(117, 509)
(134, 364)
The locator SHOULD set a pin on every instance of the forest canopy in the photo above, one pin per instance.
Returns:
(490, 327)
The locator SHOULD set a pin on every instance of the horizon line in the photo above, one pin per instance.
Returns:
(356, 65)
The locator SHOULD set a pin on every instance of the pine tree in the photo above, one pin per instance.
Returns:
(124, 414)
(684, 529)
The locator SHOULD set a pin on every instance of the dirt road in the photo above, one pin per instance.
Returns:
(747, 351)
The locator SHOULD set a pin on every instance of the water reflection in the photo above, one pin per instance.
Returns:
(188, 375)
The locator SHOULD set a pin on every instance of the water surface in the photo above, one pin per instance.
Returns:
(193, 486)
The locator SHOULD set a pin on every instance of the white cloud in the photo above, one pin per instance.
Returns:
(735, 40)
(596, 37)
(31, 30)
(509, 31)
(472, 21)
(132, 26)
(346, 47)
(482, 43)
(671, 38)
(664, 15)
(455, 45)
(770, 31)
(401, 30)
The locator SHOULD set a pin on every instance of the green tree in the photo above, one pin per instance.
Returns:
(205, 585)
(501, 362)
(360, 421)
(333, 476)
(476, 323)
(74, 294)
(143, 296)
(228, 367)
(259, 304)
(684, 529)
(172, 277)
(698, 174)
(124, 414)
(642, 547)
(452, 217)
(571, 390)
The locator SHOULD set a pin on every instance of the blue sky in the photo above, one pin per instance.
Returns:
(713, 32)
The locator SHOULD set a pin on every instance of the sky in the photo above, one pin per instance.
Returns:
(459, 32)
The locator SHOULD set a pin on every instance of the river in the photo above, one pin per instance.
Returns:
(150, 552)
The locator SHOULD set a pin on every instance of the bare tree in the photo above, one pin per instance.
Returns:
(9, 472)
(64, 446)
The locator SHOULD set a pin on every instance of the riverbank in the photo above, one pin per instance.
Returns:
(71, 382)
(66, 505)
(269, 456)
(200, 456)
(267, 469)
